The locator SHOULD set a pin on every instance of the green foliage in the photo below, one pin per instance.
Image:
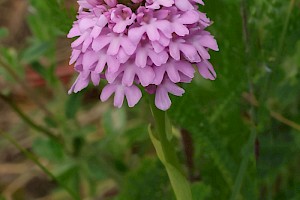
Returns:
(3, 33)
(34, 52)
(221, 120)
(201, 191)
(50, 18)
(73, 105)
(49, 149)
(147, 182)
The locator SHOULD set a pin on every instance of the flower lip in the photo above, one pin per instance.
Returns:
(120, 18)
(144, 15)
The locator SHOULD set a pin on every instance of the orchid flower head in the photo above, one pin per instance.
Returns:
(133, 45)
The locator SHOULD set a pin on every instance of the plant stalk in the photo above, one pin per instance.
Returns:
(29, 121)
(161, 137)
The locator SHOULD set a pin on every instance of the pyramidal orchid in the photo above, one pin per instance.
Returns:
(140, 44)
(150, 45)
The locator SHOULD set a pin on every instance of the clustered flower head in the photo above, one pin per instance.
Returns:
(135, 44)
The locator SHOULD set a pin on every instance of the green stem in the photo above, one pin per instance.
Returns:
(161, 138)
(286, 25)
(30, 122)
(161, 120)
(244, 165)
(249, 147)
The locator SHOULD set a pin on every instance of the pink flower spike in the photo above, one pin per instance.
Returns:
(140, 44)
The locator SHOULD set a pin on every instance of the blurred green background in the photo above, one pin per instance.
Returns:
(238, 137)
